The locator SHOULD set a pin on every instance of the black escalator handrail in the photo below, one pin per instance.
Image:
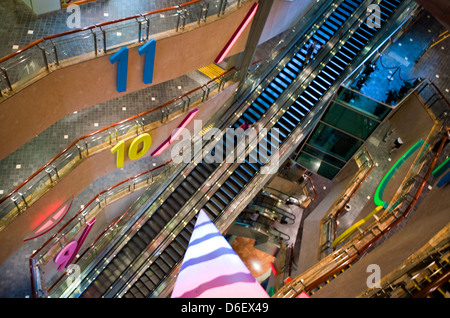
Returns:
(269, 213)
(285, 96)
(264, 229)
(392, 22)
(197, 209)
(247, 105)
(220, 215)
(315, 112)
(313, 21)
(274, 209)
(236, 166)
(247, 98)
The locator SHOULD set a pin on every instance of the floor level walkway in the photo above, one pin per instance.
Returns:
(20, 26)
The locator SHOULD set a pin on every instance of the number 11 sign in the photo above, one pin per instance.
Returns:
(121, 58)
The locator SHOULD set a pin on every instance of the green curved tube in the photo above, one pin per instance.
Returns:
(380, 189)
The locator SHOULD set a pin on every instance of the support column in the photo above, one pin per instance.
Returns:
(242, 60)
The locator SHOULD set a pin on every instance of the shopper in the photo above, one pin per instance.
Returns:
(310, 50)
(397, 144)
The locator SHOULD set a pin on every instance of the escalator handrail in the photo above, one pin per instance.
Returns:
(273, 208)
(274, 75)
(263, 228)
(360, 9)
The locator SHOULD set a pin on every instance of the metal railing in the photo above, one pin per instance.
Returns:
(90, 210)
(41, 57)
(328, 224)
(46, 177)
(358, 244)
(419, 275)
(224, 219)
(271, 209)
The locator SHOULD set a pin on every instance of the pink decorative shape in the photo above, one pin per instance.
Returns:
(68, 253)
(52, 221)
(175, 133)
(44, 226)
(183, 125)
(251, 13)
(65, 256)
(58, 214)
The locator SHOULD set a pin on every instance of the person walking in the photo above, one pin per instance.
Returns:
(397, 144)
(310, 50)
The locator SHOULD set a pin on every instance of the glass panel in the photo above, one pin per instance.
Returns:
(317, 166)
(161, 22)
(362, 103)
(334, 142)
(350, 121)
(75, 46)
(25, 67)
(121, 34)
(321, 155)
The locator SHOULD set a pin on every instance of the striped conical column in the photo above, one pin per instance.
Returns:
(211, 268)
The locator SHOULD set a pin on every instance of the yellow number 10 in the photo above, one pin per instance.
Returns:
(135, 151)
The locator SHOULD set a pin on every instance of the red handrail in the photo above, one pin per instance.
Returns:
(432, 287)
(23, 49)
(79, 212)
(439, 92)
(368, 245)
(92, 200)
(106, 128)
(339, 212)
(7, 57)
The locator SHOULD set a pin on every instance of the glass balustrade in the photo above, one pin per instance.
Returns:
(18, 200)
(73, 227)
(22, 67)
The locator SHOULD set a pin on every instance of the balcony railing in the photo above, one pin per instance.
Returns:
(89, 211)
(328, 224)
(43, 56)
(398, 210)
(421, 274)
(46, 177)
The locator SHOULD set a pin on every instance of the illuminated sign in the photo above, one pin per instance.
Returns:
(380, 189)
(141, 144)
(68, 253)
(378, 195)
(52, 221)
(251, 13)
(175, 133)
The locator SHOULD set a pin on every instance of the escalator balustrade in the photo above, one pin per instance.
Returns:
(167, 261)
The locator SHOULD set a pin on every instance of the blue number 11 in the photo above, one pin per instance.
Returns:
(121, 57)
(149, 50)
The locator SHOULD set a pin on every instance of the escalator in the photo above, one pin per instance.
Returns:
(272, 209)
(147, 281)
